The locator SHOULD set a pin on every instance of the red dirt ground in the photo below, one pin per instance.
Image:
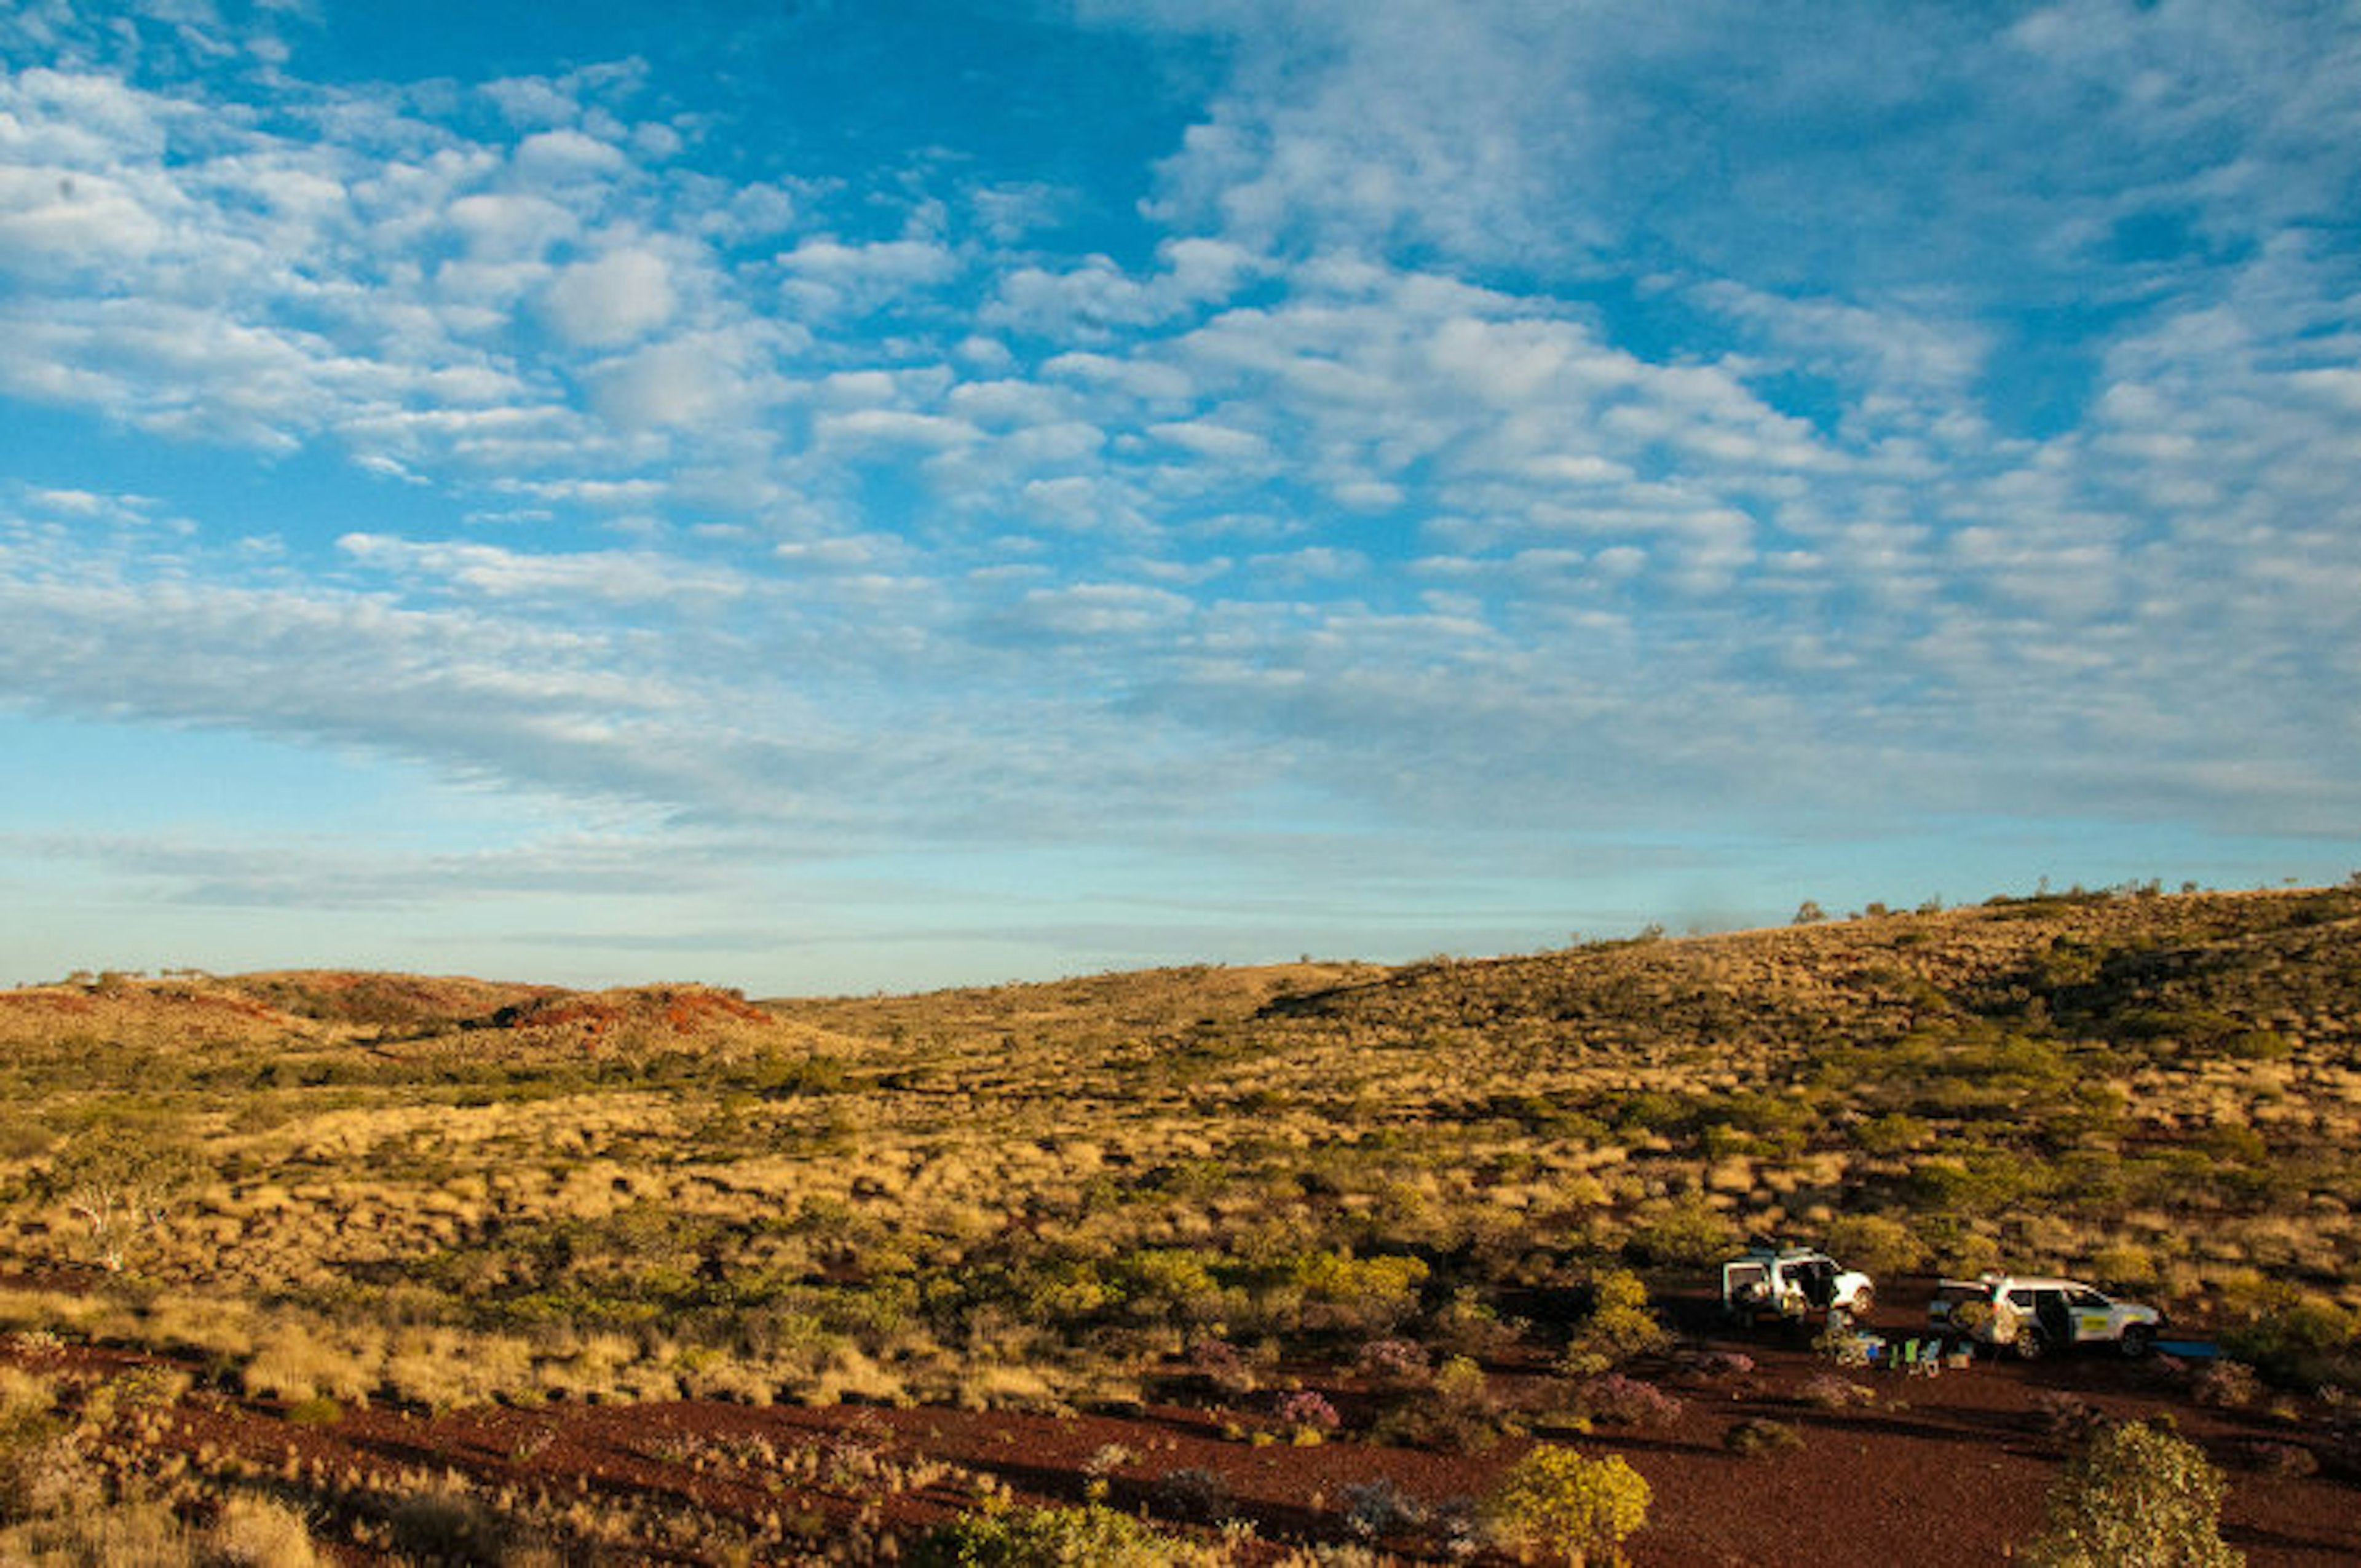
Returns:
(1952, 1468)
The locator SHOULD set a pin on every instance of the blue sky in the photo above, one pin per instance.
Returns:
(837, 495)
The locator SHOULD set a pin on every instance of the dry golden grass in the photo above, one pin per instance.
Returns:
(449, 1191)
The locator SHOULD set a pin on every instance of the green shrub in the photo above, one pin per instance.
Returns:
(1975, 1180)
(2259, 1044)
(2135, 1494)
(1690, 1234)
(2226, 1385)
(1957, 1249)
(1876, 1244)
(1062, 1291)
(1092, 1535)
(1174, 1285)
(1620, 1328)
(1195, 1492)
(1558, 1505)
(2124, 1264)
(2297, 1337)
(450, 1525)
(1456, 1409)
(1371, 1294)
(1653, 1111)
(1757, 1438)
(24, 1139)
(1893, 1133)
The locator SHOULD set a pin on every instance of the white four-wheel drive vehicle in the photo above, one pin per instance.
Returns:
(2033, 1315)
(1770, 1280)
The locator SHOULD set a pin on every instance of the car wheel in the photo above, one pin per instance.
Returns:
(2137, 1338)
(2030, 1342)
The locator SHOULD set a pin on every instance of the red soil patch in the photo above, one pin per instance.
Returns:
(47, 1000)
(368, 997)
(683, 1010)
(1953, 1467)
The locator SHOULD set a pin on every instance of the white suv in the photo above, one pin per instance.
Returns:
(1771, 1281)
(2032, 1315)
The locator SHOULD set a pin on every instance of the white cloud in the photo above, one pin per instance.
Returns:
(682, 382)
(892, 427)
(1006, 403)
(618, 576)
(1073, 501)
(1366, 495)
(533, 101)
(899, 263)
(826, 276)
(333, 874)
(1082, 303)
(1157, 385)
(1359, 124)
(1201, 270)
(80, 118)
(85, 503)
(1313, 564)
(1212, 440)
(1896, 365)
(509, 225)
(1095, 611)
(843, 554)
(562, 158)
(53, 221)
(618, 298)
(474, 695)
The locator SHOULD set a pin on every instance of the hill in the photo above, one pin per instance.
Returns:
(2120, 965)
(401, 1003)
(1386, 1199)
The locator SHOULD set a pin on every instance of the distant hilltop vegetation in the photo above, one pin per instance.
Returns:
(2158, 974)
(2263, 972)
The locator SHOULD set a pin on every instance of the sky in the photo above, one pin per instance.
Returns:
(833, 497)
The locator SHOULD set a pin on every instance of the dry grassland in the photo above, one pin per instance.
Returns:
(332, 1188)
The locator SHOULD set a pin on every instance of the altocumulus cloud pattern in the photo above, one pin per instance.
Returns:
(886, 494)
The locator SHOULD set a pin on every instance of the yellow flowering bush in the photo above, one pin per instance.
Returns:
(1557, 1506)
(1620, 1328)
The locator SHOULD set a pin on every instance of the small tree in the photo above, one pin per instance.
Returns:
(2137, 1494)
(120, 1179)
(1556, 1505)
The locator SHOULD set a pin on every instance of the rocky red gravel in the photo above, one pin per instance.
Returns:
(1953, 1467)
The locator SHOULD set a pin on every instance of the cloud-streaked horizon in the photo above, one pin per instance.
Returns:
(1137, 481)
